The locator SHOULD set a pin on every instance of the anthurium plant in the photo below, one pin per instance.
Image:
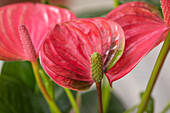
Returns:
(51, 56)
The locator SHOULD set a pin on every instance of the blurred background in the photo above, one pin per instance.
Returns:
(128, 88)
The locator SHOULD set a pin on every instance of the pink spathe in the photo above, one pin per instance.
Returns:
(38, 18)
(144, 29)
(66, 52)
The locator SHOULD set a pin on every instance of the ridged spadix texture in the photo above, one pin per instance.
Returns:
(165, 5)
(96, 65)
(144, 29)
(66, 52)
(39, 19)
(27, 43)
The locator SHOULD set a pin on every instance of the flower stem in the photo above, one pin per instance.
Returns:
(47, 83)
(166, 108)
(78, 99)
(131, 109)
(52, 105)
(99, 94)
(158, 65)
(72, 100)
(115, 3)
(105, 94)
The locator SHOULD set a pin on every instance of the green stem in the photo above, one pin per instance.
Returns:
(158, 65)
(131, 109)
(166, 108)
(106, 94)
(115, 3)
(78, 99)
(52, 105)
(72, 100)
(48, 83)
(99, 94)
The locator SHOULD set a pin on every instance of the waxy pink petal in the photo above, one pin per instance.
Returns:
(165, 4)
(65, 54)
(39, 20)
(144, 29)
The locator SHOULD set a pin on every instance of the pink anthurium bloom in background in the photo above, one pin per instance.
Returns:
(144, 29)
(66, 52)
(38, 18)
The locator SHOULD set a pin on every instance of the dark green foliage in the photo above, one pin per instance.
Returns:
(150, 106)
(156, 3)
(19, 92)
(90, 103)
(17, 98)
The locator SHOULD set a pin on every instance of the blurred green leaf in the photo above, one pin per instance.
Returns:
(105, 94)
(131, 110)
(48, 83)
(18, 81)
(156, 3)
(90, 103)
(150, 106)
(62, 6)
(60, 96)
(15, 98)
(95, 13)
(62, 100)
(21, 70)
(115, 106)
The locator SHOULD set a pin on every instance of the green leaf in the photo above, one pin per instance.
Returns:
(62, 100)
(59, 95)
(105, 94)
(95, 13)
(115, 106)
(90, 103)
(48, 83)
(153, 2)
(15, 98)
(150, 106)
(18, 77)
(21, 70)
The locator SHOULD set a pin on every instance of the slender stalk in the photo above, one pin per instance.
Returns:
(72, 100)
(158, 65)
(99, 94)
(115, 3)
(166, 108)
(52, 105)
(105, 94)
(131, 109)
(48, 83)
(78, 99)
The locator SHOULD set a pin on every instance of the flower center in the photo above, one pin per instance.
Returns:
(27, 43)
(96, 67)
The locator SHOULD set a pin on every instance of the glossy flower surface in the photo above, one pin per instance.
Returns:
(39, 19)
(65, 54)
(144, 29)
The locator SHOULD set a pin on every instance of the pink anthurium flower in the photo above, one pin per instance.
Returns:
(38, 18)
(144, 29)
(66, 52)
